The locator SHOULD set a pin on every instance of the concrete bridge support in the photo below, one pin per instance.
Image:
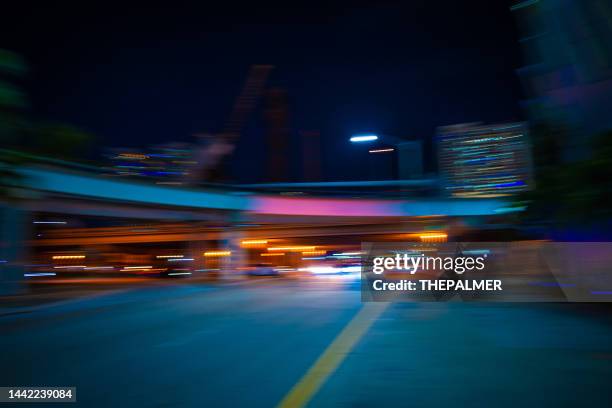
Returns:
(13, 233)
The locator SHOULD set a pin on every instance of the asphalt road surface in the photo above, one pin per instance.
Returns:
(313, 343)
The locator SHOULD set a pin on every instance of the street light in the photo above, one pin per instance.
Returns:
(363, 138)
(406, 155)
(384, 150)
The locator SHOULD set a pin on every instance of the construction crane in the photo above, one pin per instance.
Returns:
(251, 93)
(213, 149)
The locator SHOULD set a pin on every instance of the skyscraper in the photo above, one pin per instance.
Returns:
(567, 72)
(484, 161)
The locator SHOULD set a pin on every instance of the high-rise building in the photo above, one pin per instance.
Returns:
(484, 161)
(410, 159)
(567, 72)
(172, 162)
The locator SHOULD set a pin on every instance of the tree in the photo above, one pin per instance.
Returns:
(13, 101)
(570, 195)
(60, 141)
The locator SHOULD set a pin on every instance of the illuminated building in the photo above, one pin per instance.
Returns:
(173, 161)
(484, 161)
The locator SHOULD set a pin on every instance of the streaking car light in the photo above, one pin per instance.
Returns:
(138, 267)
(319, 270)
(314, 253)
(68, 257)
(70, 267)
(323, 270)
(254, 242)
(296, 248)
(29, 275)
(351, 269)
(217, 253)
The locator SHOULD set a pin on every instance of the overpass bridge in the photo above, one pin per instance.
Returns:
(116, 197)
(233, 211)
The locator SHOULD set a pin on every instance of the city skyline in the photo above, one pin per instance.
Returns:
(154, 86)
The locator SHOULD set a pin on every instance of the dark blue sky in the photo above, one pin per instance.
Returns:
(141, 75)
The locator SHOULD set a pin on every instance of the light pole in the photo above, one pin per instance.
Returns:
(387, 147)
(407, 156)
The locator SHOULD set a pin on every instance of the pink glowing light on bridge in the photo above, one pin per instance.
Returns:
(325, 207)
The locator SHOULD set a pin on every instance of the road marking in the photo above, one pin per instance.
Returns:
(303, 391)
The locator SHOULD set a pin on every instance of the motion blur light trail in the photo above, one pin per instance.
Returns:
(94, 187)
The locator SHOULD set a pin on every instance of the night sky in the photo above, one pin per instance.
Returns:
(135, 76)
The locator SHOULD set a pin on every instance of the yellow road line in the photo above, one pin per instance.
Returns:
(303, 391)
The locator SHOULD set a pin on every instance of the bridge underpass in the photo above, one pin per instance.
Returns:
(225, 216)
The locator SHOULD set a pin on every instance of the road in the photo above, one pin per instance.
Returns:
(255, 345)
